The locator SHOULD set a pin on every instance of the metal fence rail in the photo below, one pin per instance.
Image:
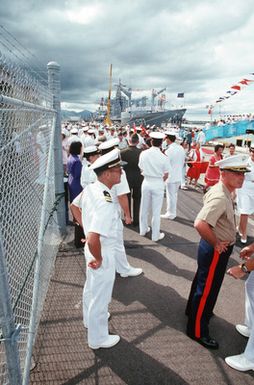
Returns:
(29, 228)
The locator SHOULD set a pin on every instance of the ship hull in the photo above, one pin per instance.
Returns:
(153, 118)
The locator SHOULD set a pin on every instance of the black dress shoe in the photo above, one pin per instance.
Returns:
(207, 342)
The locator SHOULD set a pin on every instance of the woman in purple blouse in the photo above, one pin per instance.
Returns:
(74, 167)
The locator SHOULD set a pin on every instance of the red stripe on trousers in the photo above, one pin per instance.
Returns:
(206, 292)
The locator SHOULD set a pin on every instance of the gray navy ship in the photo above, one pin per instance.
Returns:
(126, 110)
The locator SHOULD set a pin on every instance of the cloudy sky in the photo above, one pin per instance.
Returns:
(198, 47)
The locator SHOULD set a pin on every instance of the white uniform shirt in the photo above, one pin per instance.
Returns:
(99, 213)
(248, 183)
(120, 188)
(176, 158)
(153, 163)
(89, 141)
(141, 142)
(201, 138)
(87, 175)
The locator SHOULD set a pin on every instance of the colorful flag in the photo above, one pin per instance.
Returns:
(238, 88)
(245, 81)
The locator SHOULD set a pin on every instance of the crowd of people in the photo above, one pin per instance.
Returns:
(117, 173)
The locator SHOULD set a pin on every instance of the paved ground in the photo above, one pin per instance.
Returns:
(146, 311)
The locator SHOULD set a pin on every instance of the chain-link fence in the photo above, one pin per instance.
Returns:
(29, 232)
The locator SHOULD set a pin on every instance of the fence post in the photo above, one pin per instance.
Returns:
(54, 87)
(9, 332)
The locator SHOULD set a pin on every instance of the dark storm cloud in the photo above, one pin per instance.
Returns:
(151, 44)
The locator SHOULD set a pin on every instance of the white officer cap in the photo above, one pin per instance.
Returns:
(91, 131)
(91, 150)
(107, 161)
(172, 133)
(74, 131)
(157, 135)
(108, 145)
(236, 163)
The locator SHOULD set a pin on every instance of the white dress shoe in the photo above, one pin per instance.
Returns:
(240, 362)
(165, 216)
(133, 272)
(161, 236)
(112, 340)
(243, 330)
(147, 231)
(168, 216)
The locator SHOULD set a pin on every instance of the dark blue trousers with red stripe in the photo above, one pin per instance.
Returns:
(205, 288)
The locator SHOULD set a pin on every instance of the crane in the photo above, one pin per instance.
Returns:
(125, 91)
(156, 93)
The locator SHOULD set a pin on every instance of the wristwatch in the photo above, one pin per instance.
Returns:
(244, 268)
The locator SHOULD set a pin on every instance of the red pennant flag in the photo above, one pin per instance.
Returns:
(238, 88)
(244, 82)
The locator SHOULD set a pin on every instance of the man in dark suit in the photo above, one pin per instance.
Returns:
(133, 174)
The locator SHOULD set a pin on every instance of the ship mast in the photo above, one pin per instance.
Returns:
(107, 118)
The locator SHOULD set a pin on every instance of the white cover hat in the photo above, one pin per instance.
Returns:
(74, 131)
(157, 135)
(108, 144)
(90, 149)
(107, 161)
(237, 163)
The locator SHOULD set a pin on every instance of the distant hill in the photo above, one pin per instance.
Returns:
(85, 115)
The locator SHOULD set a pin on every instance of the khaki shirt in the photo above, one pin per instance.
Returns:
(218, 212)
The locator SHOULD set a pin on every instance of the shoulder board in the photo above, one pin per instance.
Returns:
(107, 196)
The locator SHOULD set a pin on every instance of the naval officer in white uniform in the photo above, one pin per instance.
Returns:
(120, 199)
(91, 153)
(99, 219)
(245, 360)
(176, 159)
(154, 167)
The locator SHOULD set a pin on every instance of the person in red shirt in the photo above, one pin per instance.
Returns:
(195, 156)
(212, 175)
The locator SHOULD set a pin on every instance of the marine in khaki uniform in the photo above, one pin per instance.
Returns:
(216, 226)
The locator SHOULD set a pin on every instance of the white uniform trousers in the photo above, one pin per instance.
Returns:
(171, 193)
(122, 265)
(249, 315)
(97, 295)
(152, 194)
